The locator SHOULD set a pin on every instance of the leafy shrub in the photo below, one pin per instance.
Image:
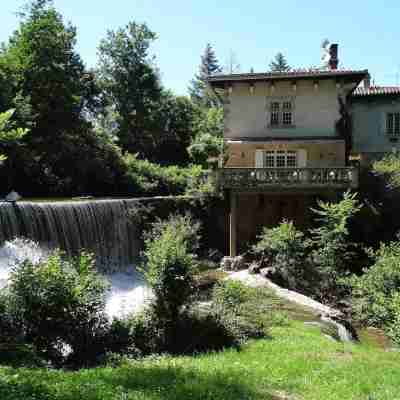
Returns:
(143, 177)
(60, 305)
(331, 249)
(245, 311)
(170, 265)
(284, 249)
(376, 293)
(230, 294)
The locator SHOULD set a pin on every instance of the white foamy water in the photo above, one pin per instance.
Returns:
(128, 293)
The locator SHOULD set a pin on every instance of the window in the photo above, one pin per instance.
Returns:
(393, 124)
(281, 113)
(275, 113)
(281, 159)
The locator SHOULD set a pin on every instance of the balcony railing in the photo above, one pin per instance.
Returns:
(307, 178)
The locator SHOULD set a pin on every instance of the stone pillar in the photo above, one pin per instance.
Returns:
(233, 224)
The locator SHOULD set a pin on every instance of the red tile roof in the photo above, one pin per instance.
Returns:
(377, 90)
(294, 74)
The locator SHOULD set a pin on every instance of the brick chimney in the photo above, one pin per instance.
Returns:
(333, 60)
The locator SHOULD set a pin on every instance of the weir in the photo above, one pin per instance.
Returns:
(99, 226)
(28, 230)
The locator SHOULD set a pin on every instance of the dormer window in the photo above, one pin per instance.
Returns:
(393, 124)
(281, 113)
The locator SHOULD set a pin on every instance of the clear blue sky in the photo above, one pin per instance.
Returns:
(368, 32)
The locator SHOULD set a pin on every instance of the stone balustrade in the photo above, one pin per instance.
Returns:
(295, 178)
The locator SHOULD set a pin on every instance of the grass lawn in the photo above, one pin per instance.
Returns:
(297, 360)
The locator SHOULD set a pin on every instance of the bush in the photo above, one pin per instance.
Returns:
(60, 305)
(376, 293)
(146, 178)
(284, 249)
(331, 249)
(170, 265)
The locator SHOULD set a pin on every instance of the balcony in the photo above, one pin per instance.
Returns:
(248, 179)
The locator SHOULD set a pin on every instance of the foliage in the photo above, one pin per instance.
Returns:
(199, 91)
(284, 250)
(169, 270)
(9, 133)
(279, 64)
(376, 294)
(60, 304)
(331, 249)
(389, 168)
(130, 82)
(54, 96)
(208, 142)
(143, 177)
(231, 294)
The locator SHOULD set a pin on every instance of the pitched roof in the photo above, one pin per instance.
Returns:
(217, 79)
(377, 91)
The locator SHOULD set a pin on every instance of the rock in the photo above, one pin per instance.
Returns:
(254, 268)
(267, 272)
(233, 263)
(12, 197)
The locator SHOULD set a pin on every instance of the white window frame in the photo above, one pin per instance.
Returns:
(269, 158)
(281, 112)
(392, 124)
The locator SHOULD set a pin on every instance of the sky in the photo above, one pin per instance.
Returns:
(368, 32)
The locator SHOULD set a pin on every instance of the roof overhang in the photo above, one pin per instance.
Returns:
(346, 76)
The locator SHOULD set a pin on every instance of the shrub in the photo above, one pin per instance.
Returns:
(331, 249)
(230, 294)
(376, 292)
(60, 305)
(284, 249)
(170, 265)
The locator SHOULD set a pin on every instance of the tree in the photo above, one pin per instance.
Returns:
(199, 91)
(9, 133)
(131, 83)
(279, 64)
(53, 95)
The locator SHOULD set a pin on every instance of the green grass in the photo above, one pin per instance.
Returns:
(297, 360)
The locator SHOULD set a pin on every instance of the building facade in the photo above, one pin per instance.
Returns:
(375, 114)
(287, 143)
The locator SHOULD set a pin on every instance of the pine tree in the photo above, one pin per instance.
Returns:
(200, 93)
(279, 64)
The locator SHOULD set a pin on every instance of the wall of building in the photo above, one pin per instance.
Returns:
(259, 210)
(315, 110)
(320, 153)
(369, 126)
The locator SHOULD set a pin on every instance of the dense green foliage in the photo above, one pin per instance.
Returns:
(9, 133)
(376, 294)
(315, 264)
(331, 248)
(83, 122)
(59, 305)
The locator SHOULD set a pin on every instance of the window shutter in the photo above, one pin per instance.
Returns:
(259, 158)
(302, 157)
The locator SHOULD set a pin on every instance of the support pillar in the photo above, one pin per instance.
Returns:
(233, 224)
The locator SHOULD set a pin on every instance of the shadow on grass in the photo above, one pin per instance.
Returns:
(155, 381)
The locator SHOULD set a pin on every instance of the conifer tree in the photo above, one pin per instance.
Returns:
(279, 64)
(200, 93)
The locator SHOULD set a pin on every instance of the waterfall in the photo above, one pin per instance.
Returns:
(100, 226)
(29, 230)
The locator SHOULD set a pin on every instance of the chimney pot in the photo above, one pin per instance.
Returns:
(333, 52)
